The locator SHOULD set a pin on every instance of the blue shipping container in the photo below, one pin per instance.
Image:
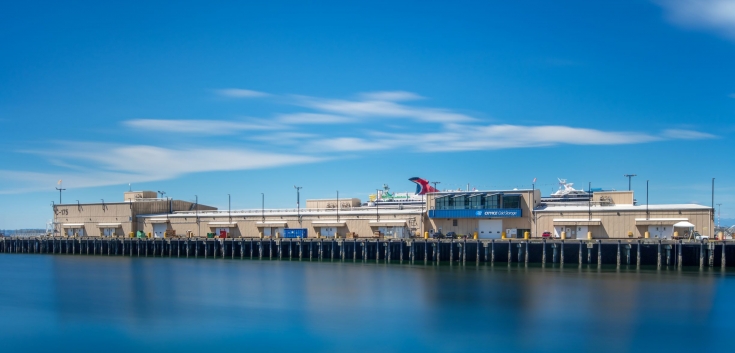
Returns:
(295, 233)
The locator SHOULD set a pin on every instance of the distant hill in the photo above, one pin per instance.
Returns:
(726, 222)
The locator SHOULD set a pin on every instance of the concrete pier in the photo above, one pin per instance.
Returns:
(648, 252)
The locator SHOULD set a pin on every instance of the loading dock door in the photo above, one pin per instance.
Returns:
(582, 232)
(108, 232)
(490, 229)
(159, 229)
(75, 232)
(328, 231)
(266, 231)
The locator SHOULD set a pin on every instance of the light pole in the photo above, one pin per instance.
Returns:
(629, 176)
(646, 199)
(337, 205)
(60, 188)
(298, 203)
(199, 226)
(162, 193)
(589, 201)
(712, 219)
(262, 206)
(436, 182)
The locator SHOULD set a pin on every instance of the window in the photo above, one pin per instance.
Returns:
(475, 202)
(454, 222)
(511, 201)
(441, 203)
(492, 201)
(459, 202)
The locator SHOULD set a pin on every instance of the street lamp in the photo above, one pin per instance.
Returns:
(629, 176)
(646, 199)
(298, 203)
(60, 188)
(436, 182)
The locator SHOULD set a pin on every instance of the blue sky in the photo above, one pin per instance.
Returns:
(210, 99)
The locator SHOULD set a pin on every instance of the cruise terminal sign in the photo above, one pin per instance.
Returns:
(486, 213)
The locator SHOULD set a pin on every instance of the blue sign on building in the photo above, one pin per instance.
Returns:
(488, 213)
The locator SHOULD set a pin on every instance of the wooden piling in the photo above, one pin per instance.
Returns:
(543, 252)
(492, 249)
(724, 259)
(510, 257)
(580, 253)
(561, 254)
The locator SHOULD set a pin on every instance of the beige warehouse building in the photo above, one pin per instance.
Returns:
(489, 214)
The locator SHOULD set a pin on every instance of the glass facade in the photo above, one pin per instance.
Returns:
(511, 201)
(478, 201)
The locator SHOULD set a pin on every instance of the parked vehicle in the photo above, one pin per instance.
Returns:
(700, 237)
(438, 235)
(546, 235)
(451, 235)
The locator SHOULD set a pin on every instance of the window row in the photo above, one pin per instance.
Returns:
(477, 201)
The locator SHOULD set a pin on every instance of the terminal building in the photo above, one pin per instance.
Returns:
(493, 214)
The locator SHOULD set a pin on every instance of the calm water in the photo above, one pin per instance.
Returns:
(79, 303)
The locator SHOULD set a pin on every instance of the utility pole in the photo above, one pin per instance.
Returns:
(436, 182)
(298, 203)
(629, 176)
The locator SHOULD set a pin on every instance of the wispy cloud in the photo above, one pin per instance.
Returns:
(120, 164)
(314, 118)
(354, 144)
(716, 15)
(206, 127)
(679, 134)
(302, 138)
(395, 96)
(455, 137)
(240, 93)
(384, 109)
(732, 95)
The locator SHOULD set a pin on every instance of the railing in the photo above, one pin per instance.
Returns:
(302, 211)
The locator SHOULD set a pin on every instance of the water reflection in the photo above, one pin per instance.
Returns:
(192, 305)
